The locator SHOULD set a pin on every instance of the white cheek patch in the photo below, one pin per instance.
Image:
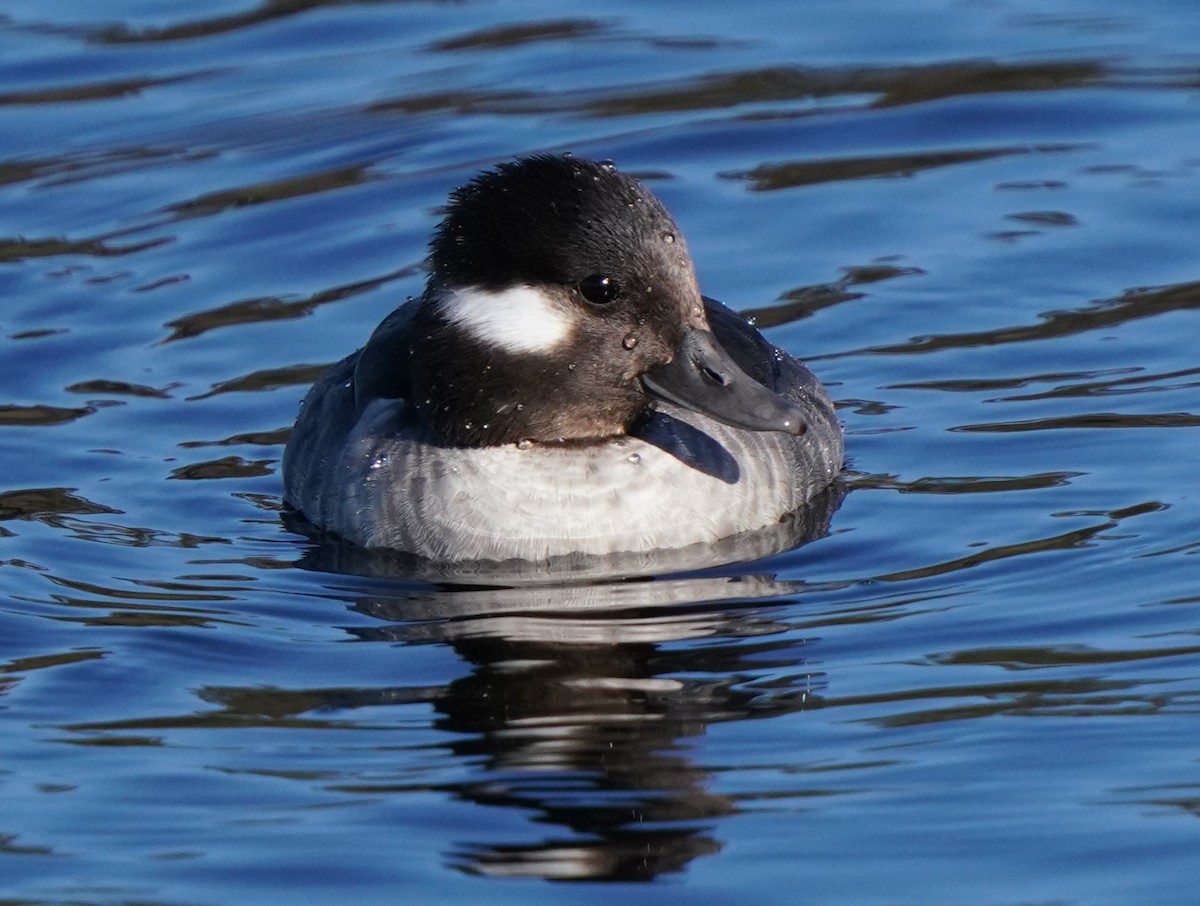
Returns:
(517, 319)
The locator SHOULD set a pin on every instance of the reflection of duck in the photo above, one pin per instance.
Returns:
(580, 701)
(507, 413)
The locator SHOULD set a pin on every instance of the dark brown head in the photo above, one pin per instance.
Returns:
(562, 299)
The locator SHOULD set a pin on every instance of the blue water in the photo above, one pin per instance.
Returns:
(975, 220)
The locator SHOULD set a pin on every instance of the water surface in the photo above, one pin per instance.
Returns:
(975, 220)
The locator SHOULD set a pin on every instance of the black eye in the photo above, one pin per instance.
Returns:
(599, 289)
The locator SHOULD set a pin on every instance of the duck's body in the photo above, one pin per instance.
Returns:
(484, 424)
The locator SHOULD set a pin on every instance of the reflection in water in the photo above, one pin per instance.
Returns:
(272, 308)
(19, 248)
(272, 191)
(884, 86)
(524, 33)
(775, 176)
(589, 737)
(1131, 305)
(90, 91)
(778, 87)
(804, 301)
(578, 707)
(47, 504)
(266, 11)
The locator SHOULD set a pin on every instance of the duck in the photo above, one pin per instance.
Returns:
(561, 387)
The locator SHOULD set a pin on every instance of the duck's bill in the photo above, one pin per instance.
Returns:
(704, 378)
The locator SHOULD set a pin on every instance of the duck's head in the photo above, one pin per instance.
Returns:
(561, 302)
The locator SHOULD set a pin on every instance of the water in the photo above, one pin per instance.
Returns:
(975, 220)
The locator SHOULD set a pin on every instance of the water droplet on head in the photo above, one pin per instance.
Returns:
(635, 458)
(669, 238)
(570, 366)
(630, 342)
(608, 166)
(524, 443)
(379, 462)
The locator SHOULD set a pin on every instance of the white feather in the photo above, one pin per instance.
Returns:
(518, 319)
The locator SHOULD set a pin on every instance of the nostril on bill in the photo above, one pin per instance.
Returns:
(713, 376)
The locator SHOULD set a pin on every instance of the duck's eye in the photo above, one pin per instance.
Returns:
(599, 289)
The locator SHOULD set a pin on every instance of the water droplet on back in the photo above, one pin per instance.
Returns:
(630, 342)
(524, 443)
(635, 458)
(668, 238)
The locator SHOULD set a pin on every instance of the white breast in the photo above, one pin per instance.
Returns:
(499, 503)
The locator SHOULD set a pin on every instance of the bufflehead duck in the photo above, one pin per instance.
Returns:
(561, 387)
